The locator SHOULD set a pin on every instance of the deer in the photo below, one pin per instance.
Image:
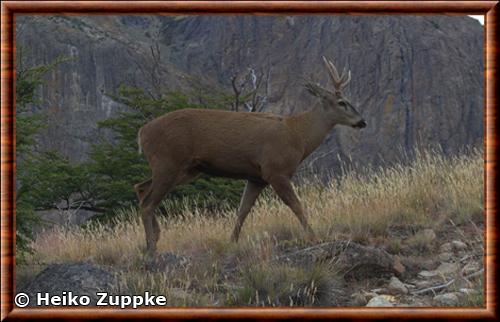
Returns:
(262, 148)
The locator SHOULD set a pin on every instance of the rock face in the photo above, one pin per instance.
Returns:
(417, 80)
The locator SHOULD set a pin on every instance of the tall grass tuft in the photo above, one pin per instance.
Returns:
(276, 284)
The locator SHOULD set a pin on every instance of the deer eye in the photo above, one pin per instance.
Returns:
(343, 104)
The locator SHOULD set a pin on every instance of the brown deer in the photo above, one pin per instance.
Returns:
(262, 148)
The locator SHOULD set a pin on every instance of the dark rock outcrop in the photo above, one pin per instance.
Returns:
(352, 260)
(82, 279)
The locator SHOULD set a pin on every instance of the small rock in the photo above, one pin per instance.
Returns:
(448, 299)
(445, 256)
(447, 268)
(381, 300)
(369, 295)
(428, 234)
(470, 268)
(423, 284)
(397, 287)
(427, 274)
(459, 245)
(446, 248)
(359, 299)
(468, 291)
(398, 266)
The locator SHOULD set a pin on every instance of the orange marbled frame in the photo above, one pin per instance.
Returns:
(10, 8)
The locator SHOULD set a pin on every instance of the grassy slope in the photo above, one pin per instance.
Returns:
(384, 207)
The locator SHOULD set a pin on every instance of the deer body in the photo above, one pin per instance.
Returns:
(264, 149)
(245, 145)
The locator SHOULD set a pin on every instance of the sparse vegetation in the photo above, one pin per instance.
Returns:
(383, 206)
(272, 284)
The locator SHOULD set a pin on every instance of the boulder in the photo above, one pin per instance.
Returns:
(351, 259)
(78, 278)
(359, 261)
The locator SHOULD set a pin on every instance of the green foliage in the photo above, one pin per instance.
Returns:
(47, 178)
(116, 166)
(40, 177)
(25, 220)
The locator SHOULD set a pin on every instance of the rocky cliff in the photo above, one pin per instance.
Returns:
(417, 80)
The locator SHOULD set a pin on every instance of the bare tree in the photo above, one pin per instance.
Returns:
(152, 69)
(251, 90)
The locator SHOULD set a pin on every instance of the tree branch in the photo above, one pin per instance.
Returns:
(236, 94)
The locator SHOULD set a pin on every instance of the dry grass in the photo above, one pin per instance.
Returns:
(424, 194)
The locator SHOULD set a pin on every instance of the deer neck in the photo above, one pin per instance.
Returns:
(312, 127)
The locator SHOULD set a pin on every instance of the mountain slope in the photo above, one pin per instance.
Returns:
(417, 80)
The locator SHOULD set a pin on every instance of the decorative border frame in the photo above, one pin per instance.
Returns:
(11, 8)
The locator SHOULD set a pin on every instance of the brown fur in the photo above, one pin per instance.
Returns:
(262, 148)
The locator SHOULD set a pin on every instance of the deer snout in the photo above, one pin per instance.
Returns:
(361, 124)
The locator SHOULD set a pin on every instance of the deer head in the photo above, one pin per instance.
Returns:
(336, 106)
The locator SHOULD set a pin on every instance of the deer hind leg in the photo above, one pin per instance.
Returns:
(161, 184)
(142, 188)
(252, 191)
(284, 189)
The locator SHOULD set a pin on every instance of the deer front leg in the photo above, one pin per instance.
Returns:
(252, 191)
(284, 189)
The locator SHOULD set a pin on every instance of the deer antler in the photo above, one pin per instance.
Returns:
(341, 81)
(334, 74)
(346, 81)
